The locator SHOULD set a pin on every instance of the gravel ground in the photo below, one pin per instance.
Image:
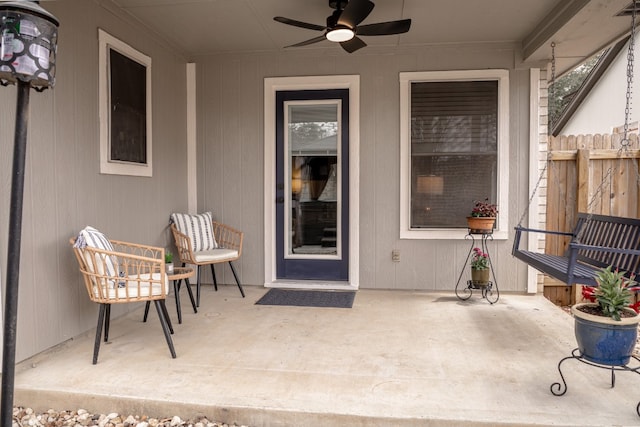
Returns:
(23, 417)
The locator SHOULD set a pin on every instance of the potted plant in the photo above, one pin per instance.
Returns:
(483, 217)
(168, 260)
(480, 267)
(606, 328)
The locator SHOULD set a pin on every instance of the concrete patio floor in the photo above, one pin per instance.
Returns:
(397, 358)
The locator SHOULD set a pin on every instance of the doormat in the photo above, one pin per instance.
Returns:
(306, 298)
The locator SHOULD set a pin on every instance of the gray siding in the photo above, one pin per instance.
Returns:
(64, 190)
(230, 137)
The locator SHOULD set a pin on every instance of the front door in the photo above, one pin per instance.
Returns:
(312, 185)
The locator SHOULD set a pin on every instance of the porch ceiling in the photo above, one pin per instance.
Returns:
(206, 27)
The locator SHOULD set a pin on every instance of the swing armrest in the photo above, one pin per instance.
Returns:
(517, 252)
(536, 230)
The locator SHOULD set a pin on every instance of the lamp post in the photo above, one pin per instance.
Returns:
(28, 43)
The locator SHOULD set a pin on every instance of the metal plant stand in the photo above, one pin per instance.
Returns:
(487, 290)
(559, 389)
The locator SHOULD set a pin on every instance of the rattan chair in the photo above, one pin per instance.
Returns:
(129, 273)
(226, 245)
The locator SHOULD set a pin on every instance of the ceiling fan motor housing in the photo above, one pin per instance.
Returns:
(332, 20)
(338, 4)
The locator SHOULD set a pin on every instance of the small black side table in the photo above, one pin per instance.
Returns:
(487, 290)
(179, 274)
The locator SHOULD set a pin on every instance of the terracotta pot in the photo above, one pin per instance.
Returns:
(480, 277)
(604, 340)
(481, 224)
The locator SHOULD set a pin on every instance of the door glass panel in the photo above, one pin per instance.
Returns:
(313, 179)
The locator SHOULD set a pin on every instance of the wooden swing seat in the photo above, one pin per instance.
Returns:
(603, 241)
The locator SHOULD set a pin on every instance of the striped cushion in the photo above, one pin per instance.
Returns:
(198, 228)
(91, 237)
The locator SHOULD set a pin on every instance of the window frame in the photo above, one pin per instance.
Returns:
(406, 78)
(107, 43)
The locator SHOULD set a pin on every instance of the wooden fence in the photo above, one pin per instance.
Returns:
(588, 173)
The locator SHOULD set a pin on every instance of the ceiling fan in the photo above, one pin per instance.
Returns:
(343, 25)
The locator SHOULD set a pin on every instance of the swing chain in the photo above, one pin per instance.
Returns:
(535, 189)
(630, 63)
(625, 142)
(550, 93)
(606, 179)
(552, 86)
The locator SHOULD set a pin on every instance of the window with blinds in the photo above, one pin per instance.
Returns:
(454, 150)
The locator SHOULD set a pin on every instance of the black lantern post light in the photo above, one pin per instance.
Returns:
(28, 38)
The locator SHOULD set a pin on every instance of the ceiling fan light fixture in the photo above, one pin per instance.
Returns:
(340, 34)
(343, 25)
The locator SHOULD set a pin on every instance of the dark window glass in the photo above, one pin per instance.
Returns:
(454, 150)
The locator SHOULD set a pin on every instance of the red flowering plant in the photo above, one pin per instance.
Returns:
(613, 293)
(479, 260)
(484, 209)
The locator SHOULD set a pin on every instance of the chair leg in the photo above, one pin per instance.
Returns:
(215, 281)
(146, 311)
(107, 321)
(165, 327)
(233, 270)
(193, 302)
(198, 286)
(96, 345)
(176, 291)
(166, 314)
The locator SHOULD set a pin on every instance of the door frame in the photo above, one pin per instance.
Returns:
(271, 86)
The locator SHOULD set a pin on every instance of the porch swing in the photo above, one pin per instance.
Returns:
(596, 241)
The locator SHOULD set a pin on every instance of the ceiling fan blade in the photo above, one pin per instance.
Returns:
(355, 12)
(300, 24)
(353, 44)
(384, 28)
(308, 42)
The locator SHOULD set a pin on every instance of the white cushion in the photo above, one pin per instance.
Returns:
(145, 288)
(91, 237)
(198, 228)
(216, 255)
